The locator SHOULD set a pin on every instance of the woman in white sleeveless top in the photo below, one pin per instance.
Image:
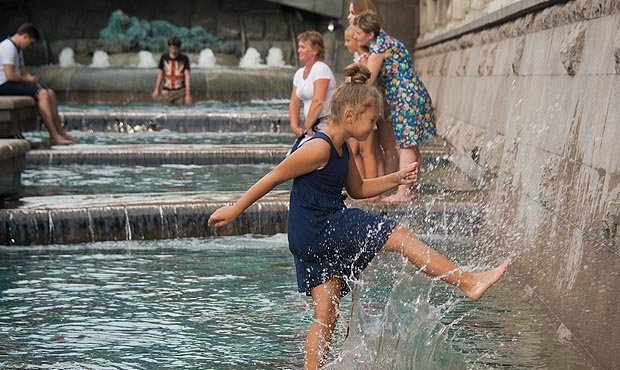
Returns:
(313, 86)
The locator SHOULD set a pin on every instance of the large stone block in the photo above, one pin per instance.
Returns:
(554, 64)
(504, 56)
(17, 114)
(607, 155)
(598, 54)
(535, 53)
(12, 163)
(596, 101)
(512, 119)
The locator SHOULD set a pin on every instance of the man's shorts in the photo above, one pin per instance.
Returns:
(20, 88)
(173, 96)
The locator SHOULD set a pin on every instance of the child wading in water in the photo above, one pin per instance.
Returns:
(330, 241)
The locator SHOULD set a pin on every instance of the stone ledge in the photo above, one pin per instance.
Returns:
(17, 114)
(12, 162)
(527, 16)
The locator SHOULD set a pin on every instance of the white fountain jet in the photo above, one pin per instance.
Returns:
(206, 59)
(275, 58)
(251, 59)
(100, 59)
(146, 60)
(66, 58)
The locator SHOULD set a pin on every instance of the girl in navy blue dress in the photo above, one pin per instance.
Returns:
(331, 242)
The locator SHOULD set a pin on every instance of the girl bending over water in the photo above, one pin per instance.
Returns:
(331, 242)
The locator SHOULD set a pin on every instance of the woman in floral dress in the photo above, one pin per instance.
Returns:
(412, 113)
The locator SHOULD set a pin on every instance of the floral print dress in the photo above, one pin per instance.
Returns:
(413, 115)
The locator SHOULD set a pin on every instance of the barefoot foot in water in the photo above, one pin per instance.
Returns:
(484, 280)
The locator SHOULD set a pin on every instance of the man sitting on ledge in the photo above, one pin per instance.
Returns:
(15, 80)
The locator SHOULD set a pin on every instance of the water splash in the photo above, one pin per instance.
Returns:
(146, 60)
(207, 59)
(275, 58)
(251, 59)
(100, 59)
(396, 326)
(66, 58)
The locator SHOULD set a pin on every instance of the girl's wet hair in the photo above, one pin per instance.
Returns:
(368, 21)
(355, 93)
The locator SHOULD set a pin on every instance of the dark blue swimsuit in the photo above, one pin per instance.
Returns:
(326, 238)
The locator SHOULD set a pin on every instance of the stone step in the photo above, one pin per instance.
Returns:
(153, 155)
(179, 121)
(80, 219)
(17, 114)
(12, 163)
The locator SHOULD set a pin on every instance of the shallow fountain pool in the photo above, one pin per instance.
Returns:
(168, 137)
(102, 179)
(74, 179)
(230, 302)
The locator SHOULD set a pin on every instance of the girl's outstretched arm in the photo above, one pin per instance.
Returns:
(359, 188)
(312, 155)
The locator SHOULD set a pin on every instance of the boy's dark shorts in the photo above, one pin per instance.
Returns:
(20, 88)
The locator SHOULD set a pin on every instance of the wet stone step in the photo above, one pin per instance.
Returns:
(177, 121)
(153, 155)
(79, 219)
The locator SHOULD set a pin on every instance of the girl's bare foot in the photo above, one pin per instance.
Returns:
(484, 280)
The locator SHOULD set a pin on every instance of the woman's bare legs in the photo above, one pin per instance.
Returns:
(354, 145)
(406, 193)
(434, 264)
(387, 141)
(367, 152)
(326, 300)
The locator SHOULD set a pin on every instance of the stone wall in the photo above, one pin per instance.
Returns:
(76, 24)
(532, 109)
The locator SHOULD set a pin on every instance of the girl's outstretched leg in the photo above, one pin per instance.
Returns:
(434, 264)
(326, 300)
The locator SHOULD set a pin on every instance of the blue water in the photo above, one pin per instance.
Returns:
(168, 137)
(231, 302)
(100, 179)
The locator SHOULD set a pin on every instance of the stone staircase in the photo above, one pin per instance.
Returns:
(448, 201)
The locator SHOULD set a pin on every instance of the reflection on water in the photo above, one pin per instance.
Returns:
(231, 303)
(96, 179)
